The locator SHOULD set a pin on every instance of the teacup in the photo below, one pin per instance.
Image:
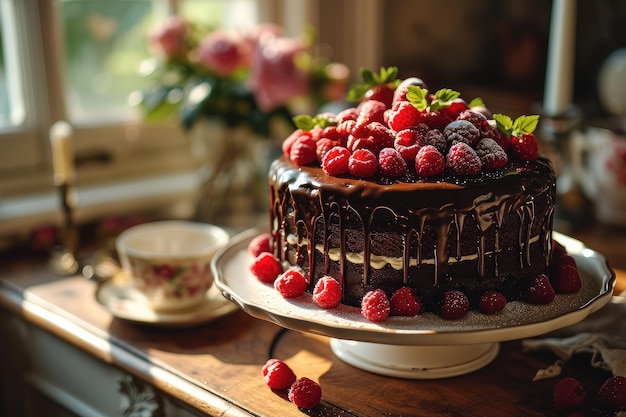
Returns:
(600, 161)
(168, 263)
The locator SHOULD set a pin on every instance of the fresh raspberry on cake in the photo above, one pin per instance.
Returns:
(403, 117)
(351, 113)
(491, 302)
(303, 151)
(399, 94)
(322, 146)
(291, 283)
(259, 244)
(454, 305)
(455, 108)
(363, 163)
(567, 279)
(569, 394)
(277, 374)
(475, 118)
(429, 162)
(539, 290)
(291, 139)
(266, 267)
(490, 130)
(404, 303)
(408, 142)
(491, 154)
(327, 292)
(612, 394)
(370, 111)
(437, 139)
(525, 147)
(335, 161)
(305, 393)
(463, 160)
(461, 131)
(382, 136)
(375, 306)
(435, 119)
(391, 163)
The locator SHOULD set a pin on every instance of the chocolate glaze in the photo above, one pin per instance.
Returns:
(473, 233)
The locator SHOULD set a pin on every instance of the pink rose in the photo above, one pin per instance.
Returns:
(171, 38)
(223, 52)
(275, 77)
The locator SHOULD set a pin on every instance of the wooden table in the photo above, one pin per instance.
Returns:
(215, 368)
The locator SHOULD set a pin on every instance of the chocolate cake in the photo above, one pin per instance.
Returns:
(481, 221)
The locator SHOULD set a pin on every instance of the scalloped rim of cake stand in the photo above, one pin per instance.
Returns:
(422, 347)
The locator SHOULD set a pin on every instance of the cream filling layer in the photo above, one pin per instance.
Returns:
(379, 261)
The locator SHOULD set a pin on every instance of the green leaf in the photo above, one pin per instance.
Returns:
(304, 122)
(476, 102)
(443, 98)
(357, 92)
(504, 123)
(525, 125)
(418, 97)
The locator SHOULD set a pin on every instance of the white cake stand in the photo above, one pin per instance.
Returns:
(421, 347)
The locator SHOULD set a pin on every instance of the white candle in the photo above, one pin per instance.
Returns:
(559, 82)
(62, 153)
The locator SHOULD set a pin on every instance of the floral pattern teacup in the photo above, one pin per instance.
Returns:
(168, 263)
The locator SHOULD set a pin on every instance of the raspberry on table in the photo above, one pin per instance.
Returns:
(429, 161)
(303, 151)
(391, 163)
(539, 290)
(567, 279)
(404, 303)
(525, 147)
(335, 161)
(463, 160)
(454, 305)
(260, 244)
(305, 393)
(375, 305)
(363, 163)
(327, 292)
(266, 267)
(277, 374)
(291, 283)
(569, 394)
(491, 302)
(612, 394)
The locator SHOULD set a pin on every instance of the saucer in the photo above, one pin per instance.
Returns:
(123, 302)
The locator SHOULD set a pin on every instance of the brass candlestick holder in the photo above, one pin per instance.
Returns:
(63, 260)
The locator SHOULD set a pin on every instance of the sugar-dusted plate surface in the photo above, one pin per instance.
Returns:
(124, 303)
(518, 320)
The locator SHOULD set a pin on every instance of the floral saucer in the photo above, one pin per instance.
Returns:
(123, 302)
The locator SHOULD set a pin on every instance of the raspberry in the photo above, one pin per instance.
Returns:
(363, 163)
(612, 394)
(567, 279)
(303, 151)
(490, 130)
(260, 244)
(404, 303)
(463, 160)
(391, 163)
(408, 142)
(266, 267)
(290, 284)
(305, 393)
(558, 250)
(491, 302)
(291, 139)
(350, 113)
(456, 107)
(539, 290)
(455, 305)
(370, 111)
(473, 117)
(435, 119)
(399, 94)
(437, 139)
(347, 127)
(461, 131)
(564, 260)
(382, 93)
(403, 117)
(335, 161)
(327, 292)
(277, 374)
(375, 305)
(429, 161)
(322, 146)
(491, 154)
(525, 147)
(568, 394)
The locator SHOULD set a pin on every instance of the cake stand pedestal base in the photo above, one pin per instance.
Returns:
(415, 362)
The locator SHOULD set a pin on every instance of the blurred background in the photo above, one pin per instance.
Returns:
(86, 61)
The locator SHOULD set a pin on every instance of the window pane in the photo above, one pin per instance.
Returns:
(4, 93)
(11, 94)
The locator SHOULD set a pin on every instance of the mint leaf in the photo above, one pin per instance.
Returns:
(418, 97)
(443, 98)
(476, 102)
(525, 125)
(304, 122)
(504, 123)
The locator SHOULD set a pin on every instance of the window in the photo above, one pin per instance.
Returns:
(78, 60)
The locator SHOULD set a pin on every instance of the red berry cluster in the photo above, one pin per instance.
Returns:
(303, 392)
(569, 394)
(413, 132)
